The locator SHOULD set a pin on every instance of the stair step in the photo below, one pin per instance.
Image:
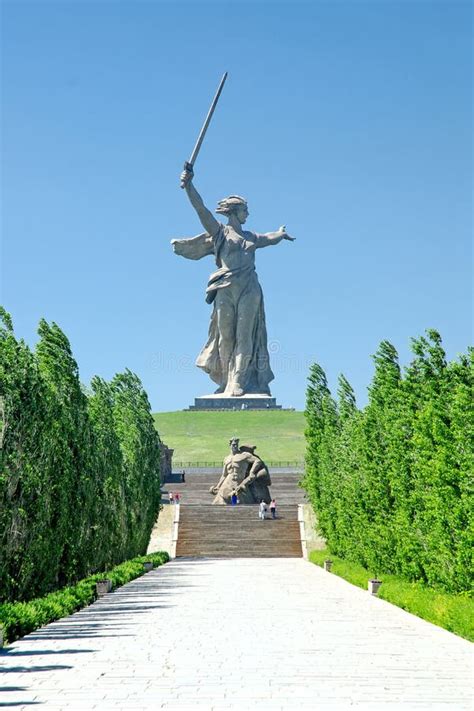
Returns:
(236, 531)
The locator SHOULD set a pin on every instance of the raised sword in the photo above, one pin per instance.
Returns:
(189, 164)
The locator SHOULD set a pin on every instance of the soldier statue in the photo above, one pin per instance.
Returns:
(245, 475)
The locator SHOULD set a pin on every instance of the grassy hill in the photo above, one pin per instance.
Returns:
(204, 436)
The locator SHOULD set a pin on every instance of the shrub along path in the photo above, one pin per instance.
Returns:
(239, 634)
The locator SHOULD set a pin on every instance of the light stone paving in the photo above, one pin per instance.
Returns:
(239, 634)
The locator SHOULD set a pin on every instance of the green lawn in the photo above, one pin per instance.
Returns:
(204, 436)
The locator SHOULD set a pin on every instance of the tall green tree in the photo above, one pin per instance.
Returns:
(110, 527)
(71, 449)
(140, 448)
(441, 518)
(378, 494)
(321, 424)
(27, 541)
(348, 478)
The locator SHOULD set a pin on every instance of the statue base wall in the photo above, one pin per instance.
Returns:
(245, 402)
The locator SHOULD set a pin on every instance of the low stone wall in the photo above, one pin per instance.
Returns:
(165, 531)
(310, 539)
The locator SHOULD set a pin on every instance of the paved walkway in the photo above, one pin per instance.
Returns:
(239, 634)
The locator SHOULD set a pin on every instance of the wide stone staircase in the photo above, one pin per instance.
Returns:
(235, 531)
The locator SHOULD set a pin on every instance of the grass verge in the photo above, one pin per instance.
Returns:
(20, 618)
(454, 612)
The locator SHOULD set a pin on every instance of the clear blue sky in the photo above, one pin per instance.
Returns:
(350, 122)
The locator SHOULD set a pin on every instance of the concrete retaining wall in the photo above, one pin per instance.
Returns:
(310, 538)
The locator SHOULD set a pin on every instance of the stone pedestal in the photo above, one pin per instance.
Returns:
(245, 402)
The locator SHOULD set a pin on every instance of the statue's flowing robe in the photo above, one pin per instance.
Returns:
(258, 373)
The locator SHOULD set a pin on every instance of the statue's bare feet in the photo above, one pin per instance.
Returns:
(237, 391)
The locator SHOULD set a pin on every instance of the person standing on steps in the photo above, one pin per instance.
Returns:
(171, 497)
(176, 498)
(273, 507)
(262, 510)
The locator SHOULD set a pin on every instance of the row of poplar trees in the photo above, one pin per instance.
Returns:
(79, 472)
(392, 484)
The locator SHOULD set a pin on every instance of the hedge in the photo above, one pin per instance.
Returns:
(20, 618)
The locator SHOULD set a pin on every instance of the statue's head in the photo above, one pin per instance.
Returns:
(250, 448)
(234, 445)
(234, 205)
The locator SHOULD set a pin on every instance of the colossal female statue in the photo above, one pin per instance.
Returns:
(236, 354)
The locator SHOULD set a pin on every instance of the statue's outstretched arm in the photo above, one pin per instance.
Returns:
(269, 238)
(206, 217)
